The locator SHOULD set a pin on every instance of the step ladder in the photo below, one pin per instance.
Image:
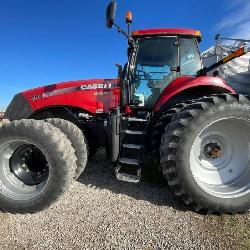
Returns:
(132, 137)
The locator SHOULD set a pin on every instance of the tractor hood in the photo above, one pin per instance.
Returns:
(93, 96)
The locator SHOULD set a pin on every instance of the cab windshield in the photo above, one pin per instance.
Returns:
(158, 61)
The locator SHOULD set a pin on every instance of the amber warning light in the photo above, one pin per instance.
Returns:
(129, 17)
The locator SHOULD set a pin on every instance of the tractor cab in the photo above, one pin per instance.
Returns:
(157, 58)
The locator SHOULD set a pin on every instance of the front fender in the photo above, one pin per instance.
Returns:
(183, 83)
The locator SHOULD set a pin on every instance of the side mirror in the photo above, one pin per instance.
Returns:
(110, 14)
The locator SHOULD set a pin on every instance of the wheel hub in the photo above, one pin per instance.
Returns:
(212, 150)
(29, 165)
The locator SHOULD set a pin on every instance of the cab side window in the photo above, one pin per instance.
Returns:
(189, 57)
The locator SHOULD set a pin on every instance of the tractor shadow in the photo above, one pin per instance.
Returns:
(98, 174)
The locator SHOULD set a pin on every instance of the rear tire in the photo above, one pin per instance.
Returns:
(205, 154)
(37, 165)
(158, 130)
(78, 141)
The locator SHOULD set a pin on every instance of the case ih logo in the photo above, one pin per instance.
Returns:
(105, 85)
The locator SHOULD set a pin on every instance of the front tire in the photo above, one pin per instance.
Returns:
(37, 165)
(205, 154)
(78, 142)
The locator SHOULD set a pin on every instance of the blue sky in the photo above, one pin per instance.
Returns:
(48, 41)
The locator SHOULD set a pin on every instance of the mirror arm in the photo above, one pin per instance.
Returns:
(120, 30)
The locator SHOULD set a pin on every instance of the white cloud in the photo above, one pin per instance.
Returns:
(236, 22)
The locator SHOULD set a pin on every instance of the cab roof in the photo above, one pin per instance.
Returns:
(167, 31)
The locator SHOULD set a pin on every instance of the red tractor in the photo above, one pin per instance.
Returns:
(194, 127)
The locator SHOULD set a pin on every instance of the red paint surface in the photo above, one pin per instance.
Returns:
(164, 31)
(85, 99)
(186, 82)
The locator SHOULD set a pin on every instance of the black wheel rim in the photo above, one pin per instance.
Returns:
(29, 165)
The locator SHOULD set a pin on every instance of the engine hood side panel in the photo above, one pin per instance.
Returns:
(94, 96)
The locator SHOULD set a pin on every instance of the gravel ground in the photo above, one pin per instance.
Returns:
(102, 213)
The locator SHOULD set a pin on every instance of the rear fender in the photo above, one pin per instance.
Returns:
(187, 87)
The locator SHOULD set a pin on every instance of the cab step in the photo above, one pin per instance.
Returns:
(128, 177)
(129, 161)
(128, 174)
(134, 132)
(135, 119)
(131, 146)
